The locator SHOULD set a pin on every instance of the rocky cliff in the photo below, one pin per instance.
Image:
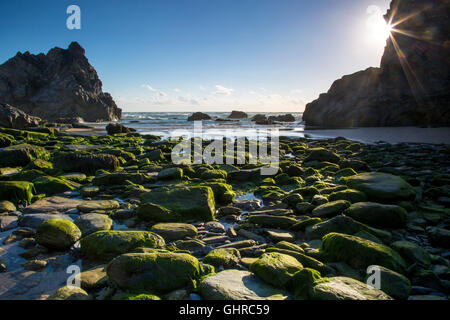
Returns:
(60, 84)
(412, 85)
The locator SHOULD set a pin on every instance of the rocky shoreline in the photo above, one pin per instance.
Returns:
(141, 228)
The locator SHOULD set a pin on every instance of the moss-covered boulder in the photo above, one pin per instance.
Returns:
(120, 178)
(303, 282)
(350, 195)
(58, 234)
(105, 245)
(6, 140)
(98, 205)
(378, 215)
(17, 191)
(174, 231)
(181, 203)
(223, 193)
(321, 155)
(361, 253)
(39, 164)
(343, 288)
(238, 285)
(272, 221)
(135, 296)
(21, 155)
(213, 174)
(438, 237)
(226, 257)
(275, 268)
(381, 187)
(392, 283)
(161, 272)
(70, 293)
(85, 162)
(331, 209)
(50, 185)
(93, 222)
(412, 253)
(170, 174)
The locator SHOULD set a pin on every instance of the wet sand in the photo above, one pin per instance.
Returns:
(387, 134)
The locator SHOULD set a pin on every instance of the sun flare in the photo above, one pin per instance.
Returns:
(378, 29)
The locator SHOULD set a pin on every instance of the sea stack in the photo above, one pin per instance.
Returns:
(59, 84)
(412, 85)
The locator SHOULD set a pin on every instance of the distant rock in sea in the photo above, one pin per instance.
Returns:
(114, 128)
(11, 117)
(261, 119)
(412, 86)
(238, 115)
(59, 84)
(199, 116)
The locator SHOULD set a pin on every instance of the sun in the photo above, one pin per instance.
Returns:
(378, 29)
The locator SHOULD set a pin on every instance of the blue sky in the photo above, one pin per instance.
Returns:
(206, 55)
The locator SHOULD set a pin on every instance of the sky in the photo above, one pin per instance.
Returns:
(207, 55)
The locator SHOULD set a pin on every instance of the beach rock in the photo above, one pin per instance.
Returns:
(331, 209)
(275, 268)
(21, 155)
(392, 283)
(227, 258)
(178, 204)
(238, 285)
(381, 187)
(281, 118)
(120, 178)
(394, 95)
(223, 192)
(199, 116)
(322, 154)
(34, 220)
(53, 204)
(350, 195)
(84, 162)
(70, 293)
(93, 222)
(175, 231)
(105, 245)
(343, 288)
(272, 221)
(97, 205)
(115, 128)
(6, 140)
(58, 234)
(238, 115)
(378, 215)
(11, 117)
(50, 185)
(8, 223)
(153, 271)
(17, 191)
(7, 206)
(439, 237)
(412, 253)
(94, 278)
(170, 174)
(361, 253)
(60, 84)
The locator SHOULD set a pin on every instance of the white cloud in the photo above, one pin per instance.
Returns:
(149, 87)
(177, 90)
(252, 92)
(221, 90)
(202, 88)
(297, 91)
(162, 94)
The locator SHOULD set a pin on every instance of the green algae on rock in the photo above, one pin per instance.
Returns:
(226, 257)
(58, 234)
(21, 155)
(276, 268)
(350, 195)
(186, 203)
(50, 185)
(161, 272)
(70, 293)
(378, 215)
(361, 253)
(105, 245)
(331, 209)
(174, 231)
(94, 205)
(382, 187)
(17, 191)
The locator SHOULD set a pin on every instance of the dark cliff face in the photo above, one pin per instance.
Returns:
(60, 84)
(411, 87)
